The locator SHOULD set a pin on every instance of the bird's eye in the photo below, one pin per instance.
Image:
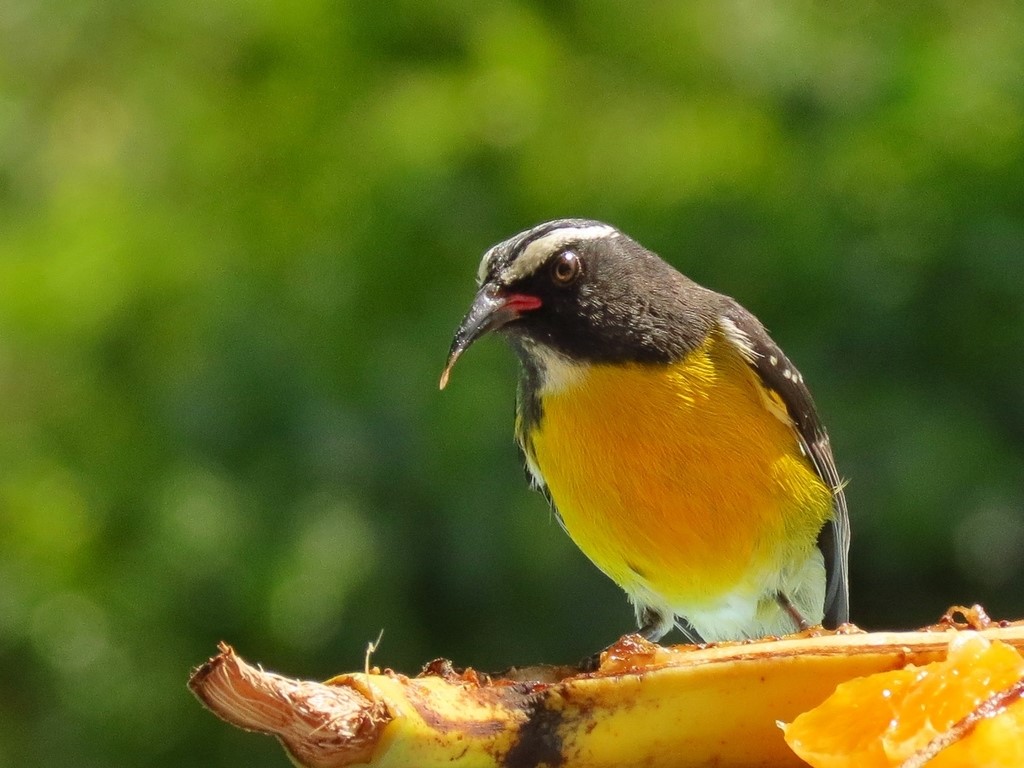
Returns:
(565, 269)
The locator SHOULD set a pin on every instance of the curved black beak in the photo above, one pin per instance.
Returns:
(491, 309)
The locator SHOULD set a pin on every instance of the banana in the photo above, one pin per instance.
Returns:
(662, 707)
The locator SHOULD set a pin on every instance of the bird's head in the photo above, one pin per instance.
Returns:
(578, 291)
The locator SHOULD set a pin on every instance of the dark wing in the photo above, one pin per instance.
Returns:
(528, 413)
(781, 377)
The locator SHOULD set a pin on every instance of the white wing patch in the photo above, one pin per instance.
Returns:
(739, 339)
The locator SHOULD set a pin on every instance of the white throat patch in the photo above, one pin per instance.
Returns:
(557, 372)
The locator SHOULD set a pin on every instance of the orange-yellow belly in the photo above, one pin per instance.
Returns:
(679, 479)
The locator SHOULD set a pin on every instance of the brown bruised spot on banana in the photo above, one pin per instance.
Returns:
(646, 704)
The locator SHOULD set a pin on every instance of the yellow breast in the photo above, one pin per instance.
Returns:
(679, 477)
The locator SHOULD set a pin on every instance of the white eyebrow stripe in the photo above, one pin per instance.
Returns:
(537, 252)
(485, 262)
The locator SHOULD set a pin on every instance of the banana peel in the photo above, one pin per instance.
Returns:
(645, 704)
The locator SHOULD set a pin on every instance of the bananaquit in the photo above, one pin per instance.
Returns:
(677, 443)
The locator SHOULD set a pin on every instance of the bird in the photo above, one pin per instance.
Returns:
(678, 445)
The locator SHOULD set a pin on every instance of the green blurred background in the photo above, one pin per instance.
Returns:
(235, 239)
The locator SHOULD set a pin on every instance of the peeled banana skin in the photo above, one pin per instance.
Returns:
(645, 705)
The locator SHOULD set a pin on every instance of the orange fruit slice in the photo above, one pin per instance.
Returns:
(967, 710)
